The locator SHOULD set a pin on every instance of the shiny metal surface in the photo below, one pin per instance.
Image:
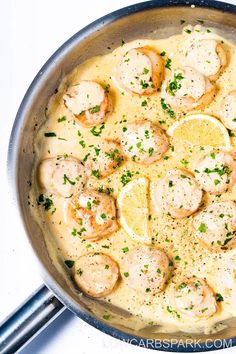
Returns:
(152, 19)
(37, 312)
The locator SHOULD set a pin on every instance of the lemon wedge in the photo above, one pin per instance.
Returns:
(134, 210)
(201, 129)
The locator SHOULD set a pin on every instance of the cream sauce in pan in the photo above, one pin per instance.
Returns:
(174, 236)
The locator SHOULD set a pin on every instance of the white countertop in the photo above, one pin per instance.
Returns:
(30, 31)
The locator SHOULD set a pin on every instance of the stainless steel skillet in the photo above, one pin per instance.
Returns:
(153, 19)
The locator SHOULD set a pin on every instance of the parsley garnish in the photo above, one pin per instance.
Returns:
(46, 202)
(95, 109)
(99, 131)
(79, 272)
(50, 134)
(174, 85)
(126, 177)
(62, 119)
(166, 107)
(202, 228)
(69, 263)
(168, 63)
(219, 297)
(96, 173)
(66, 179)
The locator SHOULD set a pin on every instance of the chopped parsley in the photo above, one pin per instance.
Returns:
(187, 30)
(95, 109)
(202, 228)
(89, 205)
(50, 134)
(82, 143)
(219, 297)
(99, 131)
(69, 263)
(106, 317)
(220, 171)
(46, 202)
(175, 84)
(144, 84)
(106, 190)
(150, 151)
(168, 63)
(166, 107)
(126, 274)
(184, 162)
(174, 312)
(79, 272)
(61, 119)
(182, 286)
(67, 179)
(213, 155)
(144, 103)
(126, 177)
(74, 232)
(96, 173)
(125, 249)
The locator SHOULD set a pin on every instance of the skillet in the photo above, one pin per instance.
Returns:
(152, 19)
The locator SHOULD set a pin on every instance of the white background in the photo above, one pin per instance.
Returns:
(30, 31)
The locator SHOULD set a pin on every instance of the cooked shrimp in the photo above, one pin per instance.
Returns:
(187, 89)
(88, 101)
(94, 213)
(207, 56)
(146, 270)
(194, 298)
(62, 176)
(96, 274)
(216, 172)
(215, 225)
(104, 158)
(178, 194)
(144, 142)
(227, 111)
(141, 71)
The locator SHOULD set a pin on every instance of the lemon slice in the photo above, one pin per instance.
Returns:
(201, 129)
(134, 211)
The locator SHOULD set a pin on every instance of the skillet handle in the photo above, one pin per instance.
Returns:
(28, 320)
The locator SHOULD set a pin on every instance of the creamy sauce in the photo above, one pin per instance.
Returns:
(175, 236)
